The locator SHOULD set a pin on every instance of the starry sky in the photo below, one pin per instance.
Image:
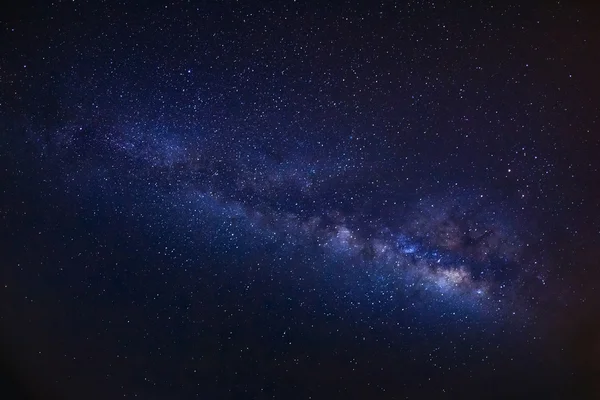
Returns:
(281, 200)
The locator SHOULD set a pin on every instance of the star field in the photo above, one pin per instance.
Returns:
(293, 200)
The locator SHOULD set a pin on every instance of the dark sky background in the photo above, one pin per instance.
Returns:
(280, 200)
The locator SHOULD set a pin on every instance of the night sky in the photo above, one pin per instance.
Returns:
(291, 200)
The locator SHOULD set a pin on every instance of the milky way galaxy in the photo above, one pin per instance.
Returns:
(459, 243)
